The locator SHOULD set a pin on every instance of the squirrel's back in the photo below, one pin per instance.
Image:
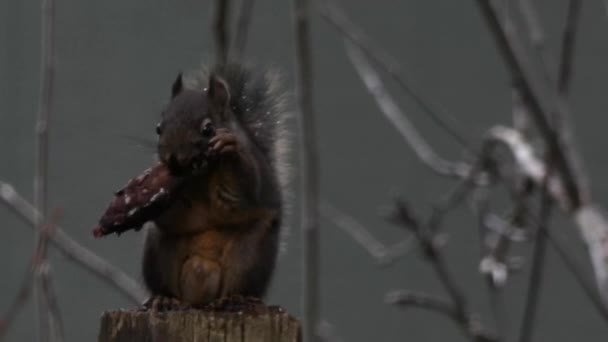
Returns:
(259, 101)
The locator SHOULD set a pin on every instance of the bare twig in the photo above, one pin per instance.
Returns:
(19, 301)
(561, 80)
(536, 35)
(589, 220)
(220, 28)
(577, 271)
(56, 322)
(541, 97)
(593, 225)
(47, 62)
(492, 264)
(392, 112)
(338, 19)
(309, 160)
(458, 193)
(407, 299)
(44, 107)
(72, 249)
(531, 302)
(497, 235)
(432, 253)
(527, 161)
(242, 28)
(568, 42)
(538, 261)
(383, 254)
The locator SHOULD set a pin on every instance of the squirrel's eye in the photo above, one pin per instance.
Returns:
(207, 129)
(158, 130)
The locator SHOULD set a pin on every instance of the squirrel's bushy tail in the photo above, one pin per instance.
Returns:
(260, 104)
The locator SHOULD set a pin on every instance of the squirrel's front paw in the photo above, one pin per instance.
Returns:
(223, 142)
(162, 303)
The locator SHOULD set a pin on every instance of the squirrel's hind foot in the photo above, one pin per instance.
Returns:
(235, 303)
(162, 303)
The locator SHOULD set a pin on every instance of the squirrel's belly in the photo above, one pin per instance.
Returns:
(196, 266)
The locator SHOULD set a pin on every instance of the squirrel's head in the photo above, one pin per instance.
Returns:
(189, 121)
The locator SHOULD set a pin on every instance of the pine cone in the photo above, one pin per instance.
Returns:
(143, 199)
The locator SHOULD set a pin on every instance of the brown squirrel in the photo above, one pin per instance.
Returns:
(220, 235)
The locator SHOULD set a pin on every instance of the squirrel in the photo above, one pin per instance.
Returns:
(220, 236)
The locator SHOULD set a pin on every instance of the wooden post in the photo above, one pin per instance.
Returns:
(269, 324)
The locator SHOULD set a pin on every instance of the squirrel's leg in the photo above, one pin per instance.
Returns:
(250, 259)
(200, 280)
(155, 273)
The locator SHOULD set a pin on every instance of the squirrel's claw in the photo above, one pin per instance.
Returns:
(224, 141)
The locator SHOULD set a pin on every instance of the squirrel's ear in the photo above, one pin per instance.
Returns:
(218, 93)
(177, 86)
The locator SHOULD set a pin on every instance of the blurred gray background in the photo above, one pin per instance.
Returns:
(115, 63)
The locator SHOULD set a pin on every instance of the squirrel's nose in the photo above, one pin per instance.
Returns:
(177, 162)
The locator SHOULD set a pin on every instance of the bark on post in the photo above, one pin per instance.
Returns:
(272, 324)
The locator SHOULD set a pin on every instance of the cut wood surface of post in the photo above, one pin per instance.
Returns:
(265, 323)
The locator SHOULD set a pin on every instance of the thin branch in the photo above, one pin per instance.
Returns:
(561, 80)
(242, 28)
(44, 106)
(56, 322)
(383, 254)
(309, 161)
(72, 249)
(407, 299)
(338, 19)
(577, 271)
(220, 28)
(497, 235)
(536, 35)
(590, 221)
(19, 301)
(541, 97)
(392, 112)
(538, 262)
(568, 43)
(458, 193)
(527, 162)
(432, 253)
(495, 271)
(47, 69)
(531, 302)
